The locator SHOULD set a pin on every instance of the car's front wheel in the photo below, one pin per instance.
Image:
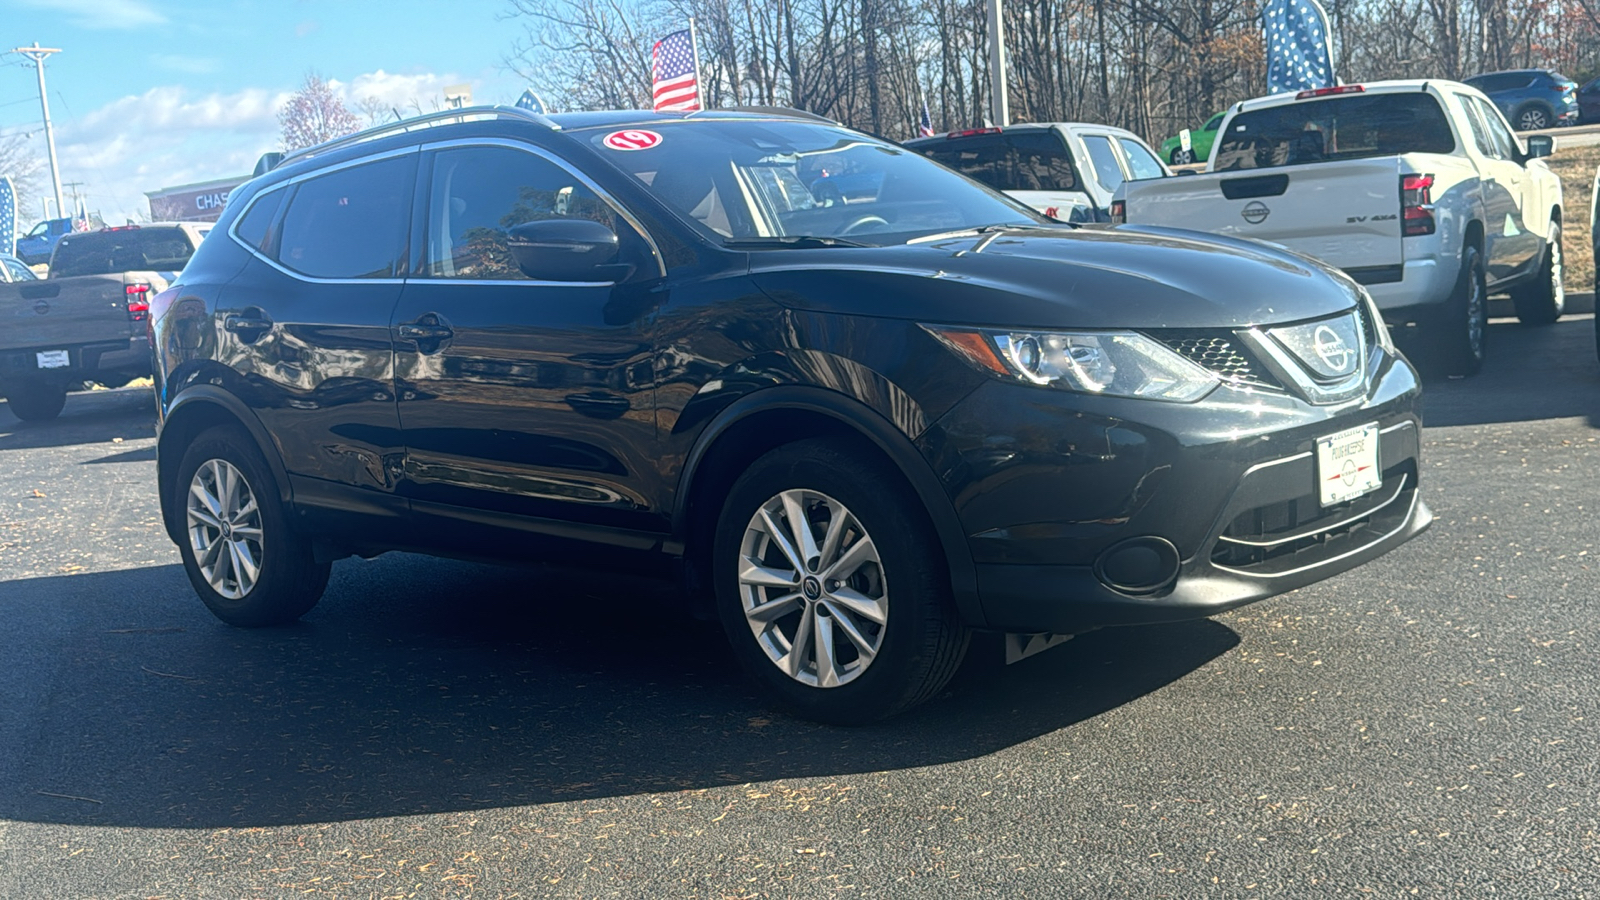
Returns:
(36, 401)
(830, 584)
(243, 558)
(1542, 301)
(1181, 157)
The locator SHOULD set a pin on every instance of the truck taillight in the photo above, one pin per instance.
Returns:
(138, 297)
(1119, 212)
(1416, 205)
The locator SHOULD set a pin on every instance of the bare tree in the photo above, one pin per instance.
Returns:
(23, 165)
(314, 114)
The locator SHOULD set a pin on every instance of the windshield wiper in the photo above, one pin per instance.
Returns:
(790, 240)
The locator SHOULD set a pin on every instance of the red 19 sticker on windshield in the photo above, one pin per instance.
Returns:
(632, 139)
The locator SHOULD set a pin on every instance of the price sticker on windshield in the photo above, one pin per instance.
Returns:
(632, 139)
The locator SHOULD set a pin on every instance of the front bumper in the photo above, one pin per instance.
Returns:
(1049, 485)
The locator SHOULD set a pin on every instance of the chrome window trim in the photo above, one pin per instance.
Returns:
(605, 196)
(233, 228)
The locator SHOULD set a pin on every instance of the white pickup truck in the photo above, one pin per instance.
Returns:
(1418, 190)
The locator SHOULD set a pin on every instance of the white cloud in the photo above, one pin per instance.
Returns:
(102, 14)
(170, 135)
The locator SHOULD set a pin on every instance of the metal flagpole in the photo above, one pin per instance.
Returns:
(694, 50)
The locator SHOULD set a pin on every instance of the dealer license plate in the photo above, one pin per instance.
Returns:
(53, 359)
(1347, 464)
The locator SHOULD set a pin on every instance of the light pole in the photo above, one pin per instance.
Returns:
(997, 66)
(38, 54)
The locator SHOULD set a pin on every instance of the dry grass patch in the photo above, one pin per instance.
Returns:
(1576, 167)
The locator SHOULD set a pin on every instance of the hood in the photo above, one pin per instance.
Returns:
(1124, 277)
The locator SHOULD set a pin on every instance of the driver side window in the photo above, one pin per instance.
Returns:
(478, 194)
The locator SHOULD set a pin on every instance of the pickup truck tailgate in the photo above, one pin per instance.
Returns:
(1346, 214)
(70, 312)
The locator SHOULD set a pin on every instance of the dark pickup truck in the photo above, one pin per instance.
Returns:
(88, 320)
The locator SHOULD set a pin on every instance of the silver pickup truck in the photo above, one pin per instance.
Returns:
(88, 320)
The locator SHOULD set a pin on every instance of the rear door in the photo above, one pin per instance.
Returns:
(520, 400)
(306, 327)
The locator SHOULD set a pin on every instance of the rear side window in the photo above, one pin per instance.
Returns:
(1015, 161)
(478, 194)
(1141, 162)
(1106, 170)
(350, 223)
(1352, 126)
(121, 250)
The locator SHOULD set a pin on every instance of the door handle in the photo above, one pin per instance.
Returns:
(425, 331)
(248, 327)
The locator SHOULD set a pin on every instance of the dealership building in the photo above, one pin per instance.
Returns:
(200, 202)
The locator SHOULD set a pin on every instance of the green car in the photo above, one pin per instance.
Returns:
(1199, 144)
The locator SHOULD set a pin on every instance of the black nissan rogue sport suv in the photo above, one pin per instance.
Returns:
(859, 404)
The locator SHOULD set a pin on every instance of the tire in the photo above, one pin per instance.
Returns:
(36, 401)
(1532, 118)
(1541, 301)
(1461, 327)
(890, 620)
(287, 580)
(1181, 157)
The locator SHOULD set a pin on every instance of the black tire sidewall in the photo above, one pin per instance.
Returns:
(913, 661)
(1536, 302)
(33, 401)
(291, 582)
(1453, 338)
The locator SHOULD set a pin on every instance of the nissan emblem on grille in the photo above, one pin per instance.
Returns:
(1330, 349)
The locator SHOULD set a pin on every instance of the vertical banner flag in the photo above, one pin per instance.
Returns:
(1299, 50)
(675, 73)
(531, 102)
(8, 216)
(925, 127)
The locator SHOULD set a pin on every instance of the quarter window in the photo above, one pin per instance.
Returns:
(478, 194)
(350, 223)
(255, 225)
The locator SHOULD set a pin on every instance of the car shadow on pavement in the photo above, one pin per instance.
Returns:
(427, 686)
(90, 417)
(1544, 372)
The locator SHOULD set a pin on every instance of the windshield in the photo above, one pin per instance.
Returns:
(753, 180)
(123, 250)
(1352, 126)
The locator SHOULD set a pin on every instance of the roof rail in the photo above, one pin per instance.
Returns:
(426, 120)
(771, 111)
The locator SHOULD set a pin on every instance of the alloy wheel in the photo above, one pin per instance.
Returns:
(1532, 120)
(1475, 317)
(812, 587)
(224, 528)
(1558, 291)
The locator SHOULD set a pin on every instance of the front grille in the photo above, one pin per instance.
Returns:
(1282, 536)
(1220, 352)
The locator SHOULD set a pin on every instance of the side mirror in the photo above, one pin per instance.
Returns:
(1540, 146)
(565, 250)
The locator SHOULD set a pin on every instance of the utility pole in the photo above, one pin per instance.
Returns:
(997, 67)
(77, 198)
(38, 54)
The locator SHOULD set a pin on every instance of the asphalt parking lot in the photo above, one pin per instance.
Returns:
(1424, 726)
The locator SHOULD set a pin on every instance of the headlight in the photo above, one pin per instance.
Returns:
(1111, 363)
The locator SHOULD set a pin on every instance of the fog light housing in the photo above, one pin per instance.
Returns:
(1141, 565)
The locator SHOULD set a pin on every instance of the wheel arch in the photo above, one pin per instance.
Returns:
(771, 417)
(194, 411)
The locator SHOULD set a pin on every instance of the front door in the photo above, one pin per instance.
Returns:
(1506, 184)
(523, 403)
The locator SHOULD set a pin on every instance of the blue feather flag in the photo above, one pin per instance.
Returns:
(1299, 51)
(8, 216)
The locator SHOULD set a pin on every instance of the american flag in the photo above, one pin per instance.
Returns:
(1299, 57)
(925, 127)
(8, 216)
(676, 83)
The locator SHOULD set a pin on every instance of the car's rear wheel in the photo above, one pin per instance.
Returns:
(1461, 327)
(1542, 301)
(36, 401)
(1532, 118)
(244, 560)
(830, 584)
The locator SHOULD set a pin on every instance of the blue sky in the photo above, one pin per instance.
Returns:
(155, 93)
